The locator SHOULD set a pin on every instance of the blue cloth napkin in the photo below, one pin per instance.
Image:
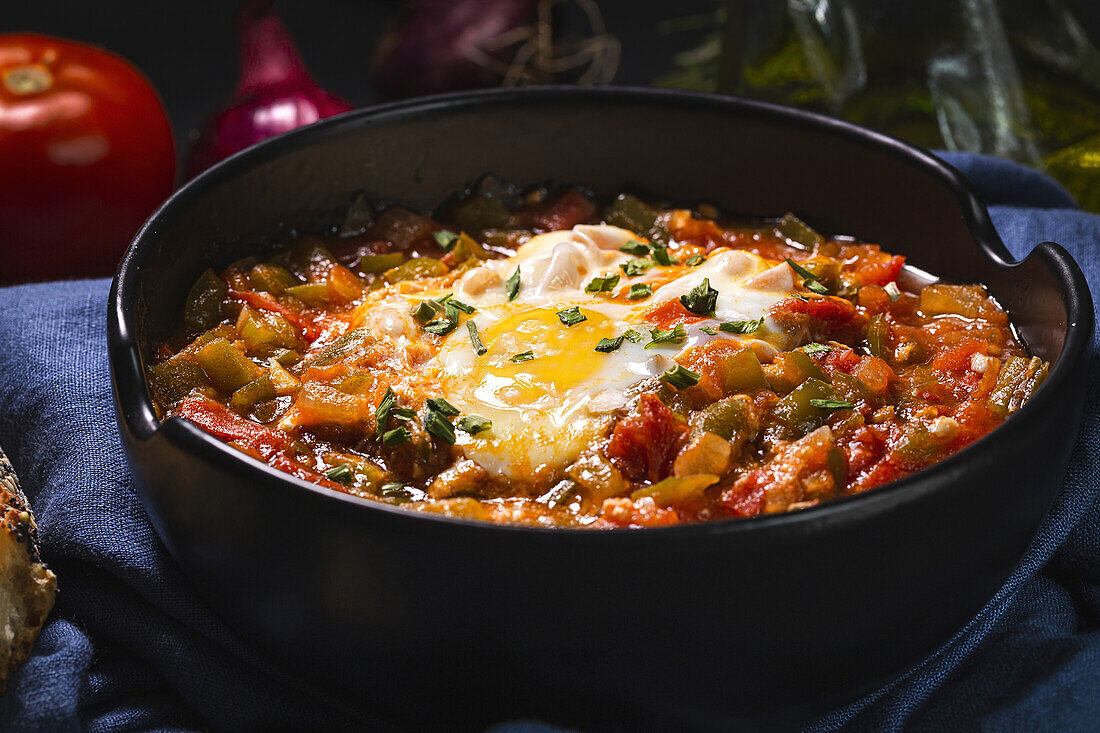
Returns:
(130, 645)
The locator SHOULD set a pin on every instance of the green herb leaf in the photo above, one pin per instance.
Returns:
(709, 331)
(511, 285)
(459, 305)
(675, 336)
(474, 424)
(341, 474)
(391, 489)
(632, 336)
(445, 237)
(438, 425)
(475, 339)
(639, 291)
(893, 291)
(382, 414)
(396, 437)
(679, 377)
(606, 346)
(661, 257)
(426, 310)
(701, 299)
(403, 414)
(695, 260)
(523, 356)
(442, 406)
(571, 316)
(638, 249)
(816, 349)
(633, 268)
(602, 284)
(809, 280)
(741, 326)
(832, 404)
(441, 326)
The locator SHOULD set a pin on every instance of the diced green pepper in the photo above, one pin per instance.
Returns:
(968, 301)
(796, 410)
(744, 373)
(340, 348)
(631, 213)
(375, 264)
(271, 278)
(415, 269)
(467, 248)
(676, 490)
(172, 380)
(311, 293)
(852, 389)
(226, 366)
(482, 212)
(265, 333)
(253, 393)
(798, 232)
(731, 418)
(878, 337)
(204, 302)
(1017, 381)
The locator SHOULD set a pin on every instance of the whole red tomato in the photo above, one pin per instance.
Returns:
(86, 155)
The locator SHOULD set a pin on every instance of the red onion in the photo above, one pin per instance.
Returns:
(436, 43)
(274, 92)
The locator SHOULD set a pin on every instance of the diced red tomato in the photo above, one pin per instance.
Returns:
(843, 360)
(746, 497)
(644, 443)
(670, 313)
(564, 212)
(880, 270)
(831, 310)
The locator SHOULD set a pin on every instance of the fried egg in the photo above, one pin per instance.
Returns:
(549, 394)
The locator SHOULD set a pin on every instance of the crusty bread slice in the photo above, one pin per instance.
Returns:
(27, 587)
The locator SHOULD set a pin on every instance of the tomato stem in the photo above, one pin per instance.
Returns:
(27, 79)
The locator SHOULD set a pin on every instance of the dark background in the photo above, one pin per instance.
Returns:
(187, 48)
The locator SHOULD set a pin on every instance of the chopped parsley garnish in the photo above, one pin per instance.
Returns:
(404, 414)
(523, 356)
(511, 285)
(475, 339)
(741, 326)
(661, 257)
(633, 268)
(437, 424)
(441, 326)
(709, 331)
(832, 404)
(396, 436)
(442, 406)
(701, 299)
(695, 260)
(606, 346)
(639, 291)
(341, 474)
(809, 280)
(632, 336)
(445, 237)
(465, 308)
(602, 284)
(815, 349)
(382, 414)
(893, 291)
(571, 316)
(426, 310)
(638, 249)
(474, 424)
(675, 336)
(679, 377)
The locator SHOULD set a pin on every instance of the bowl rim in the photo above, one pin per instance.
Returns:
(137, 414)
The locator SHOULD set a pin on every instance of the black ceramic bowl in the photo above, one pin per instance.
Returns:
(422, 618)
